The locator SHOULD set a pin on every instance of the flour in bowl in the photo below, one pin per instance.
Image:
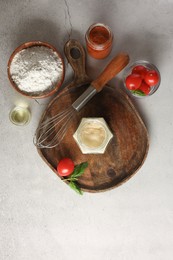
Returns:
(36, 69)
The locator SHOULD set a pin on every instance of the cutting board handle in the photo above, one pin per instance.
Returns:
(117, 64)
(75, 55)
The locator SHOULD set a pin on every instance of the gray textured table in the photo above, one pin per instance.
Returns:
(40, 217)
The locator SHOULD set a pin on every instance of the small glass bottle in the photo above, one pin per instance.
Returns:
(99, 39)
(20, 116)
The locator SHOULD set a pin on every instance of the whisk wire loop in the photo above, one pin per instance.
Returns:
(55, 127)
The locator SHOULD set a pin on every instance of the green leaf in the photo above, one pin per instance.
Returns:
(138, 92)
(75, 187)
(79, 170)
(71, 179)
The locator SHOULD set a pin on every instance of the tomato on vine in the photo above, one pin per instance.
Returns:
(65, 167)
(133, 81)
(145, 88)
(141, 70)
(151, 77)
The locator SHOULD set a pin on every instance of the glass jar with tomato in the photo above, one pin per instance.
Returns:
(99, 39)
(141, 78)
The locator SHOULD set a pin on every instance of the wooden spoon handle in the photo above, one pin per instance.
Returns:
(117, 64)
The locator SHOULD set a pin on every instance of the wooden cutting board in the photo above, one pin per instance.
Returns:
(125, 153)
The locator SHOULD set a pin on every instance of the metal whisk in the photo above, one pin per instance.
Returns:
(51, 132)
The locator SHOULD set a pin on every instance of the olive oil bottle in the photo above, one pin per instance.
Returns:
(20, 115)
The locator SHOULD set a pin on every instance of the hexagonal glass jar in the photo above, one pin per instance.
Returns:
(93, 135)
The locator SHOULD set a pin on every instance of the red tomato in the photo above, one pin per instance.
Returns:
(65, 167)
(152, 78)
(141, 70)
(133, 81)
(144, 88)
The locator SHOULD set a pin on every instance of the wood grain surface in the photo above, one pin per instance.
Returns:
(127, 150)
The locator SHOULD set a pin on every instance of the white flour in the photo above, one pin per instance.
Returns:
(36, 69)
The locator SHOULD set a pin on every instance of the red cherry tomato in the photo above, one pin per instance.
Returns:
(152, 77)
(65, 167)
(145, 88)
(141, 70)
(133, 81)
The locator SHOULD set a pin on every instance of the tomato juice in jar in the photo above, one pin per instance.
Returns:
(99, 40)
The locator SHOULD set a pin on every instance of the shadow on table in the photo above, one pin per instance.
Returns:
(136, 102)
(143, 45)
(45, 30)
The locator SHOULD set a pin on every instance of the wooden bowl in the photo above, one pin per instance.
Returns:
(40, 94)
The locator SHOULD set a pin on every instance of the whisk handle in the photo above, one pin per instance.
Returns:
(113, 68)
(84, 98)
(117, 64)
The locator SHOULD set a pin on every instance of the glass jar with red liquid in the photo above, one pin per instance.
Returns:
(99, 39)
